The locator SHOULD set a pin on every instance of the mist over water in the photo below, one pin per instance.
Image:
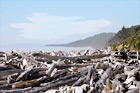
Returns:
(27, 48)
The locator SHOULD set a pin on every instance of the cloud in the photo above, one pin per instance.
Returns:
(45, 26)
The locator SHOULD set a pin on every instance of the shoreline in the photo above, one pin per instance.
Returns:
(81, 70)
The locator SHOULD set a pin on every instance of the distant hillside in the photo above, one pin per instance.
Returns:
(127, 38)
(97, 41)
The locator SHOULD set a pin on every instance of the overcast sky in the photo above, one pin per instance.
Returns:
(63, 21)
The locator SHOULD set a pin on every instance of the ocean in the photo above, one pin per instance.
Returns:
(27, 48)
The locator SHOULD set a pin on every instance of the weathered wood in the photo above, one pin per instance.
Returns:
(135, 90)
(121, 77)
(49, 61)
(5, 86)
(24, 75)
(109, 86)
(67, 77)
(28, 72)
(137, 55)
(56, 76)
(103, 66)
(47, 56)
(9, 72)
(100, 84)
(118, 70)
(37, 75)
(5, 67)
(1, 52)
(54, 85)
(102, 75)
(71, 58)
(79, 82)
(32, 61)
(3, 78)
(60, 74)
(3, 82)
(25, 84)
(18, 90)
(123, 55)
(88, 76)
(64, 66)
(45, 79)
(3, 56)
(52, 67)
(12, 78)
(77, 89)
(90, 57)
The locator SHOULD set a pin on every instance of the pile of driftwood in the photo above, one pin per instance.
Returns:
(87, 71)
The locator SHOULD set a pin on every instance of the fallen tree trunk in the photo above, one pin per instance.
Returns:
(45, 79)
(100, 84)
(70, 58)
(49, 61)
(6, 86)
(56, 76)
(88, 76)
(60, 74)
(32, 83)
(63, 66)
(28, 72)
(67, 77)
(19, 90)
(118, 70)
(79, 82)
(52, 67)
(25, 84)
(5, 67)
(9, 72)
(37, 75)
(54, 85)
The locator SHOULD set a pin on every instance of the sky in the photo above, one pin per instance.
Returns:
(63, 21)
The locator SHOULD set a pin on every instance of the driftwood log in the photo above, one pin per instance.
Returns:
(25, 84)
(54, 85)
(52, 67)
(28, 59)
(70, 72)
(100, 84)
(70, 58)
(79, 82)
(88, 76)
(8, 72)
(28, 72)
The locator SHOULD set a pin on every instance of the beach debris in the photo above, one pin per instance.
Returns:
(83, 71)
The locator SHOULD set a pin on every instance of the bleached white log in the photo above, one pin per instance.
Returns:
(52, 67)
